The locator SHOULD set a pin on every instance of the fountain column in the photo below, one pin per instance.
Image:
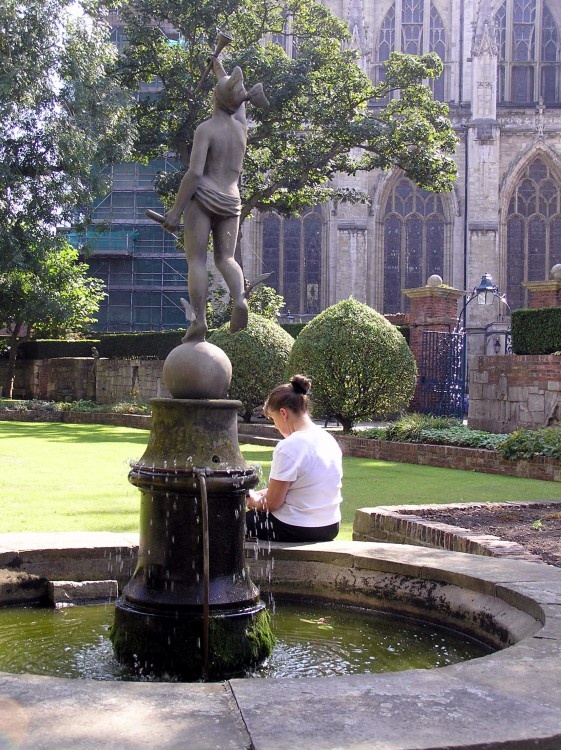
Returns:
(190, 609)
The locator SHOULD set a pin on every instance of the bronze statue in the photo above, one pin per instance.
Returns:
(209, 199)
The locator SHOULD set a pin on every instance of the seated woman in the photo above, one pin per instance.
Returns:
(301, 502)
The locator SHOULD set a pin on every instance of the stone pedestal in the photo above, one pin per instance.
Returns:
(190, 609)
(543, 293)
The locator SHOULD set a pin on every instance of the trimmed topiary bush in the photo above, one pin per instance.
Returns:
(359, 364)
(258, 355)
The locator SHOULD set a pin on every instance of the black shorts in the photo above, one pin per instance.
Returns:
(265, 526)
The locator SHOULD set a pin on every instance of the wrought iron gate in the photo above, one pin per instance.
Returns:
(442, 374)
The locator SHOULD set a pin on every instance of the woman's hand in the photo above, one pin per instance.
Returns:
(270, 498)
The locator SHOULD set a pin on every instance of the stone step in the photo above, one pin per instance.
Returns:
(258, 440)
(78, 592)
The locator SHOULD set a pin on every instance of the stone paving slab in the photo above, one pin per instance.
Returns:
(43, 713)
(413, 710)
(63, 540)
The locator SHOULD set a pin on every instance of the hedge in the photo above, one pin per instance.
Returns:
(139, 345)
(536, 330)
(143, 345)
(293, 328)
(54, 348)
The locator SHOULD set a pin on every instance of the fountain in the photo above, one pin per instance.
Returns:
(508, 699)
(190, 609)
(191, 592)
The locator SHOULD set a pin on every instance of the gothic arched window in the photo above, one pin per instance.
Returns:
(533, 230)
(292, 250)
(529, 53)
(414, 27)
(414, 240)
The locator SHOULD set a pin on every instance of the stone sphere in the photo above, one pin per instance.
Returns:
(197, 370)
(555, 272)
(434, 280)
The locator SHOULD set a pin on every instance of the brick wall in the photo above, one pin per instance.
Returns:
(513, 391)
(451, 457)
(545, 298)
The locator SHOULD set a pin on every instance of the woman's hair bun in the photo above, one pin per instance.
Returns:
(301, 384)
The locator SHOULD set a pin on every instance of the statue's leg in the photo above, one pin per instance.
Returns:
(225, 234)
(196, 234)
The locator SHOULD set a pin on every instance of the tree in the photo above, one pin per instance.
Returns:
(62, 120)
(359, 363)
(56, 299)
(258, 355)
(320, 121)
(263, 301)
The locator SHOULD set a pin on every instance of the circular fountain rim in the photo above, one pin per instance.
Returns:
(503, 699)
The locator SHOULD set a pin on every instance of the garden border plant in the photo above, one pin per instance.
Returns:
(521, 444)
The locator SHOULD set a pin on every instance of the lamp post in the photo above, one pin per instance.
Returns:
(485, 293)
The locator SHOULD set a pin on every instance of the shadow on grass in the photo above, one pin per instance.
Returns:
(77, 433)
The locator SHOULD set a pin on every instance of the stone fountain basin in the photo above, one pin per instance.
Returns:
(509, 699)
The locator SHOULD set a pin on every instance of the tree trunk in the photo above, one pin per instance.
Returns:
(14, 346)
(346, 423)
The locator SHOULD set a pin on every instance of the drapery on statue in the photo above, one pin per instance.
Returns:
(209, 199)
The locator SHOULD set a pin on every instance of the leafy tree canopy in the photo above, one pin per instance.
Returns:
(321, 120)
(61, 120)
(263, 301)
(54, 299)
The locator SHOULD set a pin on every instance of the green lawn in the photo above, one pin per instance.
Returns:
(62, 477)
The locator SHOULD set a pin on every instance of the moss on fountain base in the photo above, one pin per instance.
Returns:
(236, 643)
(172, 647)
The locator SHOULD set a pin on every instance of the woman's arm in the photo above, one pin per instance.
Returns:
(270, 499)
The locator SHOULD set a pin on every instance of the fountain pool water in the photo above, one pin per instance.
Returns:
(312, 640)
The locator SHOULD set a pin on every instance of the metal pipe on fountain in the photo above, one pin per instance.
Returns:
(201, 475)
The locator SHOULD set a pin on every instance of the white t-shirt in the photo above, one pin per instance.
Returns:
(311, 461)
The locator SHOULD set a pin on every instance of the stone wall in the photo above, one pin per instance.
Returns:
(60, 379)
(130, 379)
(74, 378)
(514, 391)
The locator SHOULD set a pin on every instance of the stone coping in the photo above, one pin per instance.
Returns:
(405, 524)
(508, 699)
